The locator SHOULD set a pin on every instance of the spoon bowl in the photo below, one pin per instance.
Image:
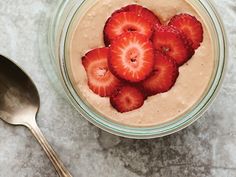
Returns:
(19, 104)
(19, 101)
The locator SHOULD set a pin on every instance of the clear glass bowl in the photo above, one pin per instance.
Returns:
(57, 42)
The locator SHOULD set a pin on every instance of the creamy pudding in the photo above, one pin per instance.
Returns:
(194, 76)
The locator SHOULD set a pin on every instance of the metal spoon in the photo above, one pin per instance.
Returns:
(19, 104)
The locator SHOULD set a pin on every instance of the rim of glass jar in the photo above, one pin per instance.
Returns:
(63, 21)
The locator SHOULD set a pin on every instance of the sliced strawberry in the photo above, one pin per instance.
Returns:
(100, 80)
(131, 57)
(172, 42)
(140, 11)
(163, 77)
(127, 98)
(190, 26)
(124, 22)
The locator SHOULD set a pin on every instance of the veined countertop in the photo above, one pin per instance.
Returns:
(205, 149)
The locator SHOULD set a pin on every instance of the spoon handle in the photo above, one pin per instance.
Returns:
(60, 168)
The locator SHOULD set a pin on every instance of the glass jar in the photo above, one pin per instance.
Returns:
(59, 28)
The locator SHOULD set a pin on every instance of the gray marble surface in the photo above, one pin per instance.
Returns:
(205, 149)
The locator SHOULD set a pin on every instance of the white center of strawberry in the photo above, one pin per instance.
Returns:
(101, 72)
(132, 56)
(129, 28)
(165, 49)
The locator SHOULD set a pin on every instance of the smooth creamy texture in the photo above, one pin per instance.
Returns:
(192, 83)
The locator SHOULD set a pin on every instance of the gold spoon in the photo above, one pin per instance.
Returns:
(19, 104)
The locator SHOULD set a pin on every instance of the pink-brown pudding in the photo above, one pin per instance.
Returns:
(86, 32)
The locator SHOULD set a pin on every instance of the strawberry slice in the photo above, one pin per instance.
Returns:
(172, 42)
(131, 57)
(100, 80)
(163, 77)
(124, 22)
(140, 11)
(127, 98)
(190, 26)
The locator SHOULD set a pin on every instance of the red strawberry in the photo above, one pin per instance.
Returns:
(100, 80)
(127, 98)
(163, 77)
(140, 11)
(172, 42)
(131, 57)
(190, 26)
(124, 22)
